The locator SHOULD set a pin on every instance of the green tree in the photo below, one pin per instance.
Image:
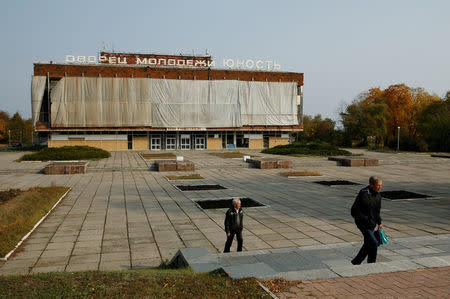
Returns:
(434, 124)
(318, 129)
(16, 126)
(363, 120)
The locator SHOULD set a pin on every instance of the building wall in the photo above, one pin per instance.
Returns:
(94, 143)
(214, 143)
(140, 143)
(122, 145)
(58, 143)
(109, 145)
(105, 70)
(274, 141)
(76, 141)
(255, 144)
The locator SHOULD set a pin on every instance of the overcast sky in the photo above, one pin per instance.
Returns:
(343, 47)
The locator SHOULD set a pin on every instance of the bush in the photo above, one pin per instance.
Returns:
(307, 148)
(409, 143)
(67, 153)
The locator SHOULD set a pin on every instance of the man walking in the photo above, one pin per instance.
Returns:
(366, 212)
(234, 225)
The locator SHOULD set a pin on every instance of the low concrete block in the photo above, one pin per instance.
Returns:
(354, 161)
(174, 165)
(199, 259)
(260, 270)
(269, 163)
(66, 167)
(205, 267)
(370, 162)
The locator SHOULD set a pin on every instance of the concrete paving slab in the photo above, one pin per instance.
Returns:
(250, 270)
(307, 274)
(135, 204)
(434, 261)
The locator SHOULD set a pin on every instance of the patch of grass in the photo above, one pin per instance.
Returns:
(193, 176)
(300, 173)
(18, 215)
(67, 153)
(307, 149)
(229, 155)
(159, 156)
(130, 284)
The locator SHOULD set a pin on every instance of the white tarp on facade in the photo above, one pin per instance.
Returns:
(37, 93)
(113, 102)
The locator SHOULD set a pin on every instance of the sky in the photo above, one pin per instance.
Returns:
(343, 47)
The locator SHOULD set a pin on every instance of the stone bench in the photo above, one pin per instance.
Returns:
(354, 161)
(269, 163)
(174, 165)
(66, 167)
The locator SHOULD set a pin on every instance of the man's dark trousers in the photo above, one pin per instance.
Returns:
(369, 248)
(230, 241)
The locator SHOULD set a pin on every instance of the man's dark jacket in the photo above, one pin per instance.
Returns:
(366, 209)
(230, 220)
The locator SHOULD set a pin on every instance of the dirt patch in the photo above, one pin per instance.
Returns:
(280, 285)
(300, 173)
(194, 176)
(9, 194)
(230, 155)
(159, 156)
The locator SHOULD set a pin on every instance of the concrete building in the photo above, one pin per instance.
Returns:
(125, 101)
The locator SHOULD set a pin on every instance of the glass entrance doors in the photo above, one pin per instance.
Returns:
(155, 142)
(200, 142)
(171, 143)
(185, 141)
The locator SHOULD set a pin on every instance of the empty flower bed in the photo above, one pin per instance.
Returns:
(246, 202)
(229, 155)
(199, 187)
(193, 176)
(401, 194)
(336, 183)
(300, 173)
(158, 156)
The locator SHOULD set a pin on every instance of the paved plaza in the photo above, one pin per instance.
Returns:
(122, 215)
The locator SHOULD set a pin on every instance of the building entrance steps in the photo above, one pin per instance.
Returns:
(320, 261)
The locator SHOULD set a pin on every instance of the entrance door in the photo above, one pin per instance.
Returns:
(185, 142)
(171, 143)
(199, 142)
(266, 142)
(155, 143)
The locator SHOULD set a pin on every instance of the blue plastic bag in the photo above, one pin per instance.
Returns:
(383, 237)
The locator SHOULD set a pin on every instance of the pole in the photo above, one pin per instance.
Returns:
(398, 138)
(9, 137)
